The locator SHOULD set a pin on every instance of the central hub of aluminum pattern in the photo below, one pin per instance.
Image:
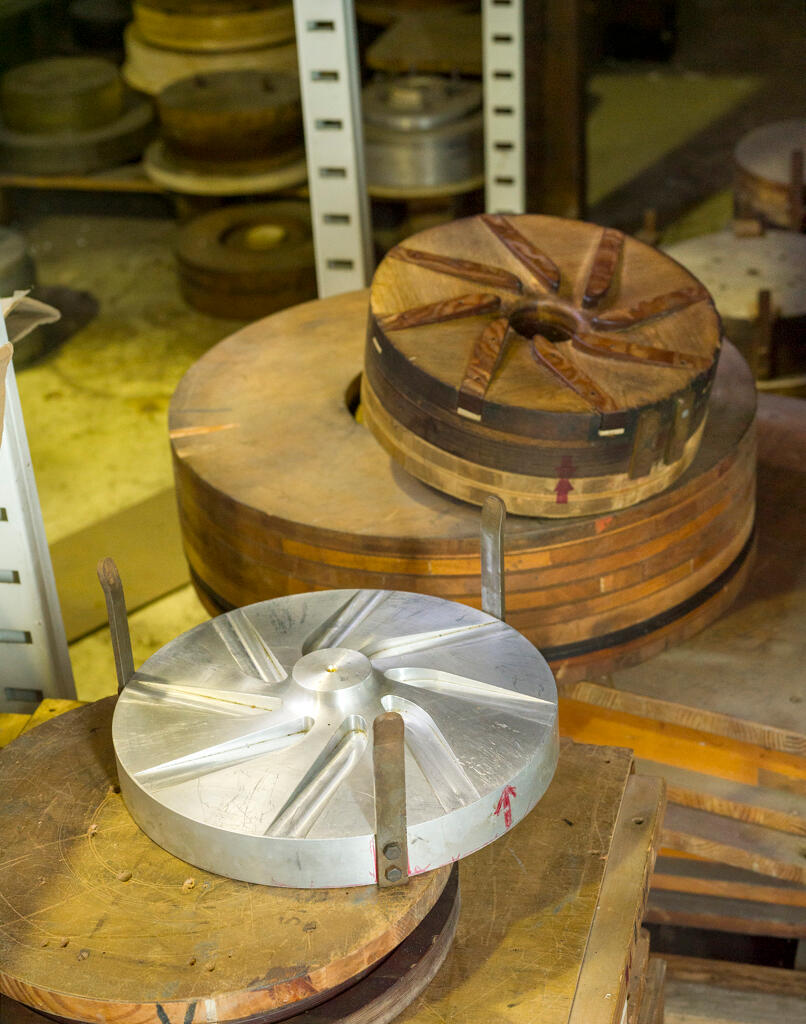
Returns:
(244, 746)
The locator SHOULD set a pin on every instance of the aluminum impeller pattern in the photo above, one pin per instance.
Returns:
(245, 745)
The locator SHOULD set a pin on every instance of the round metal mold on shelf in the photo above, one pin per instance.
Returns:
(765, 179)
(423, 136)
(245, 745)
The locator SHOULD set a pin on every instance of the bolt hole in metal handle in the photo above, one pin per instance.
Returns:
(389, 763)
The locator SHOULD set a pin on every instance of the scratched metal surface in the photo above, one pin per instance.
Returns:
(244, 746)
(99, 923)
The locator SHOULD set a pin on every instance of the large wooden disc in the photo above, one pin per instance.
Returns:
(244, 26)
(150, 68)
(232, 115)
(62, 94)
(97, 923)
(281, 491)
(508, 354)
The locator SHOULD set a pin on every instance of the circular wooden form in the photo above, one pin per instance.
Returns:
(243, 26)
(508, 355)
(236, 178)
(763, 185)
(61, 94)
(231, 115)
(735, 270)
(246, 261)
(281, 491)
(100, 924)
(150, 68)
(83, 151)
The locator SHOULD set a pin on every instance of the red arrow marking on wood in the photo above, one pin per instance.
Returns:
(503, 802)
(565, 470)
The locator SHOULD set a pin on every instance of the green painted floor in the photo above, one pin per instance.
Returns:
(95, 411)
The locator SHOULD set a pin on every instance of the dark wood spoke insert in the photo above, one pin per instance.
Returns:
(440, 312)
(649, 309)
(603, 272)
(541, 266)
(467, 270)
(483, 362)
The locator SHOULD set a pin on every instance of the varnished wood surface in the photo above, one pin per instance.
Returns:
(100, 924)
(280, 491)
(593, 343)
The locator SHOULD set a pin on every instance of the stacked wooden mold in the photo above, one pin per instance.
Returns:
(70, 115)
(169, 40)
(282, 490)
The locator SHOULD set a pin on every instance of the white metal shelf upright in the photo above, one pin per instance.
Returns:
(504, 113)
(34, 661)
(330, 85)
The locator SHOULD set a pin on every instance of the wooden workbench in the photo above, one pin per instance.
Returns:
(550, 919)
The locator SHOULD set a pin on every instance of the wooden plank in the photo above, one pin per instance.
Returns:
(737, 976)
(758, 805)
(652, 1005)
(692, 1003)
(680, 746)
(637, 980)
(713, 913)
(710, 878)
(691, 717)
(124, 179)
(738, 843)
(602, 989)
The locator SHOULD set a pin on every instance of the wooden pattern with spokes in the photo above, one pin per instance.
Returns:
(584, 326)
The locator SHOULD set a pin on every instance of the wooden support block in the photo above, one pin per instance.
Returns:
(718, 1000)
(601, 993)
(652, 1005)
(637, 980)
(737, 976)
(759, 805)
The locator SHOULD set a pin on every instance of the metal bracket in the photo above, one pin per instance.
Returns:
(389, 760)
(118, 620)
(493, 520)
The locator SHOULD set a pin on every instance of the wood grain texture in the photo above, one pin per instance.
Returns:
(601, 994)
(740, 977)
(686, 873)
(758, 805)
(738, 843)
(715, 913)
(652, 1006)
(100, 924)
(690, 1002)
(563, 285)
(327, 508)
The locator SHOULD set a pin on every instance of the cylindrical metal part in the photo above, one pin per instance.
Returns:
(242, 746)
(423, 135)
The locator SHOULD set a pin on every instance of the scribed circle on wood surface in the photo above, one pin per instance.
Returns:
(509, 354)
(99, 923)
(281, 491)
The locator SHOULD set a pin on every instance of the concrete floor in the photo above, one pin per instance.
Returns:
(96, 409)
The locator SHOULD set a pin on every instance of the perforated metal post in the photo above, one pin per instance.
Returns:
(34, 662)
(331, 105)
(504, 115)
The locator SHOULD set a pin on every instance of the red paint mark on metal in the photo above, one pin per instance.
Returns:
(504, 804)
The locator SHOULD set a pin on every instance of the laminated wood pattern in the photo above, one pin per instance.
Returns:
(563, 366)
(241, 26)
(281, 491)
